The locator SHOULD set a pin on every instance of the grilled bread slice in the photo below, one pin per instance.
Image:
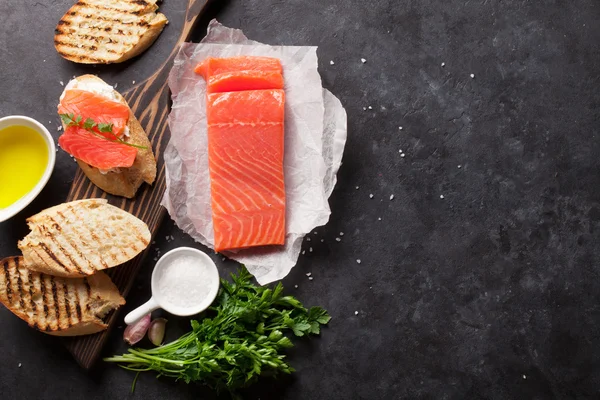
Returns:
(123, 181)
(57, 306)
(108, 31)
(82, 237)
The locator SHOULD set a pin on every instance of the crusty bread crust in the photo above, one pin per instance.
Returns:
(82, 237)
(57, 306)
(126, 181)
(108, 31)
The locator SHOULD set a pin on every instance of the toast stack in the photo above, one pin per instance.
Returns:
(58, 286)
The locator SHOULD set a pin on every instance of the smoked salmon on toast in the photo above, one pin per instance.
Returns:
(103, 135)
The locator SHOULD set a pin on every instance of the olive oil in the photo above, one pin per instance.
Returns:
(23, 160)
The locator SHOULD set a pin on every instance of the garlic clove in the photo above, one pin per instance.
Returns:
(136, 331)
(156, 332)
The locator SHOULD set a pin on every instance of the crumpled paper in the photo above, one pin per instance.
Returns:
(315, 135)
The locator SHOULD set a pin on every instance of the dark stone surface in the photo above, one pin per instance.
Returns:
(489, 293)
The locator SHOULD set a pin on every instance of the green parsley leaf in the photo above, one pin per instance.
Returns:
(102, 127)
(89, 124)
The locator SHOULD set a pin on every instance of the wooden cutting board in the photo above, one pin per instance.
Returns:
(149, 100)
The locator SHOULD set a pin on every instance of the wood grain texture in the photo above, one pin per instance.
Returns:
(149, 101)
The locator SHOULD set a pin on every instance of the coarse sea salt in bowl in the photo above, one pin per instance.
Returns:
(185, 282)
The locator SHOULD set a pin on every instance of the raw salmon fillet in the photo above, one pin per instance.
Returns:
(244, 80)
(97, 107)
(96, 151)
(245, 154)
(214, 66)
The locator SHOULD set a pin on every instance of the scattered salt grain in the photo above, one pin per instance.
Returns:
(331, 62)
(400, 128)
(341, 233)
(358, 260)
(365, 108)
(308, 239)
(379, 219)
(524, 376)
(310, 249)
(172, 238)
(472, 76)
(116, 84)
(322, 240)
(223, 258)
(296, 286)
(303, 251)
(133, 82)
(370, 108)
(308, 273)
(58, 128)
(443, 64)
(338, 239)
(310, 278)
(400, 151)
(357, 188)
(459, 166)
(391, 197)
(61, 83)
(20, 365)
(355, 312)
(441, 196)
(167, 237)
(402, 155)
(371, 196)
(363, 60)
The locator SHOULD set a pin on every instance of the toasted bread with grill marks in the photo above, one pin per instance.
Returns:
(82, 237)
(108, 31)
(124, 181)
(57, 306)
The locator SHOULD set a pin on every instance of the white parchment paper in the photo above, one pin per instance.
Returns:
(315, 135)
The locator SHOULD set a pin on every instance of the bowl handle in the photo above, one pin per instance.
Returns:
(142, 310)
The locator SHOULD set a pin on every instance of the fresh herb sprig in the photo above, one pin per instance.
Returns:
(242, 340)
(91, 126)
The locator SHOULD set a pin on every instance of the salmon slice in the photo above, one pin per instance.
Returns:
(214, 66)
(96, 151)
(244, 80)
(97, 107)
(245, 154)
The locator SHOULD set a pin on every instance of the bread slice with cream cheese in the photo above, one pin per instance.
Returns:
(122, 181)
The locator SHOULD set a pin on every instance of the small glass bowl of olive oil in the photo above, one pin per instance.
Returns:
(27, 156)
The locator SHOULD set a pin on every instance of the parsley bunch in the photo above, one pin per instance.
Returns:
(242, 340)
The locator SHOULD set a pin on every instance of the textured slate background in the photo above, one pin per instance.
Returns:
(489, 293)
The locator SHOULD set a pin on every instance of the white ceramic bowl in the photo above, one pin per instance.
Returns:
(10, 211)
(157, 301)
